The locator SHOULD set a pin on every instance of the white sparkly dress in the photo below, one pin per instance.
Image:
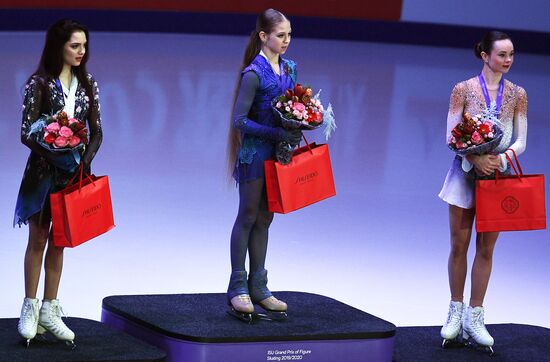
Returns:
(467, 96)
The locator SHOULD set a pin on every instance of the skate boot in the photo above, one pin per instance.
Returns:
(260, 294)
(28, 322)
(474, 326)
(50, 320)
(238, 299)
(453, 326)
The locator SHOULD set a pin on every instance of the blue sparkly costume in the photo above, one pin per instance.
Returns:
(259, 128)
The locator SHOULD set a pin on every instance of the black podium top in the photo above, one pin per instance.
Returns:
(203, 318)
(94, 341)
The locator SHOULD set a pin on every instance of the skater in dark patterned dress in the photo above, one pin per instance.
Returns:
(60, 83)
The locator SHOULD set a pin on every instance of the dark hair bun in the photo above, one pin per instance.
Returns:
(478, 50)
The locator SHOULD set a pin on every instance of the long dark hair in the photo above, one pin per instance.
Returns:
(486, 44)
(265, 22)
(52, 61)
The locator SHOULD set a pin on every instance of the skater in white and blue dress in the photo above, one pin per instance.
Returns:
(488, 90)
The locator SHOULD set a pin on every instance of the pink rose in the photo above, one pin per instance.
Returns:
(460, 144)
(476, 138)
(53, 127)
(61, 142)
(74, 141)
(65, 132)
(297, 106)
(72, 120)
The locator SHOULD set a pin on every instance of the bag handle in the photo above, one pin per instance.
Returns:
(516, 158)
(518, 171)
(80, 173)
(307, 143)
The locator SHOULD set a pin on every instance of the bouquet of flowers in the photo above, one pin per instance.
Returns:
(298, 109)
(479, 135)
(61, 134)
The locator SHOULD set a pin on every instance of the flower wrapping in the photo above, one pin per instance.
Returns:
(61, 134)
(479, 134)
(298, 109)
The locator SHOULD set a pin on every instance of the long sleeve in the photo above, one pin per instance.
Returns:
(94, 124)
(32, 101)
(456, 109)
(520, 129)
(247, 91)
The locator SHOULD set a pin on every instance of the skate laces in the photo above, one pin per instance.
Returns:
(30, 310)
(454, 315)
(478, 322)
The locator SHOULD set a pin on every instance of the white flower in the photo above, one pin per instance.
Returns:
(306, 116)
(287, 109)
(278, 105)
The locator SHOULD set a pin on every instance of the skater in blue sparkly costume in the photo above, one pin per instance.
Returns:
(254, 133)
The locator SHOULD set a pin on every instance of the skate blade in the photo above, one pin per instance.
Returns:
(470, 342)
(454, 343)
(243, 317)
(273, 316)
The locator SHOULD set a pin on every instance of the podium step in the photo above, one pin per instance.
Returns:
(196, 327)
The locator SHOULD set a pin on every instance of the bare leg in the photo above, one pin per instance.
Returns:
(481, 270)
(53, 266)
(460, 222)
(39, 229)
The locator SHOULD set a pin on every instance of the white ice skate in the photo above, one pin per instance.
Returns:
(28, 322)
(453, 326)
(474, 326)
(50, 320)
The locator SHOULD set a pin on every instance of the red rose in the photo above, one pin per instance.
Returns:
(50, 138)
(457, 132)
(289, 94)
(484, 128)
(82, 133)
(298, 90)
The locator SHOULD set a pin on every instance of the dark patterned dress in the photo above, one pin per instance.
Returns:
(254, 117)
(41, 177)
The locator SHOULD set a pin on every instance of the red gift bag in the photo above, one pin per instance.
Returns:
(81, 211)
(510, 203)
(306, 180)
